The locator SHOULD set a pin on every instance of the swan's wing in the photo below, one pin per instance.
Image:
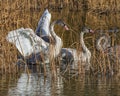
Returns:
(26, 41)
(68, 51)
(43, 24)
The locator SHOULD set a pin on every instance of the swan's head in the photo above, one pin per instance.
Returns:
(87, 30)
(61, 23)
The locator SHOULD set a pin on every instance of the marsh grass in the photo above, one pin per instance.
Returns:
(26, 13)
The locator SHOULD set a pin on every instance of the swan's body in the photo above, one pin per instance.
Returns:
(74, 57)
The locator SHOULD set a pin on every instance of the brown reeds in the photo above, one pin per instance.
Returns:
(104, 7)
(26, 13)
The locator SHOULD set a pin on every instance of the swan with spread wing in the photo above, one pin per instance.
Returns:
(41, 47)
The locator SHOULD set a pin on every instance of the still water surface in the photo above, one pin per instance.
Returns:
(35, 84)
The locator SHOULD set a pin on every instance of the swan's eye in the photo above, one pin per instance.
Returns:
(64, 24)
(88, 30)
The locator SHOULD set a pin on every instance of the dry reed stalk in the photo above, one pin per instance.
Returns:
(20, 13)
(44, 66)
(93, 58)
(53, 68)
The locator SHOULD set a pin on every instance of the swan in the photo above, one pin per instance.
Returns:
(113, 52)
(55, 43)
(73, 56)
(40, 45)
(32, 47)
(105, 39)
(106, 46)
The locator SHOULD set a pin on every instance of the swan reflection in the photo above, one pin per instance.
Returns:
(35, 84)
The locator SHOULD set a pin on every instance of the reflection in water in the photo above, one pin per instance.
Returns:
(93, 87)
(35, 84)
(31, 85)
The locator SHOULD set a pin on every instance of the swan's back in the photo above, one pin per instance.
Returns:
(66, 53)
(114, 50)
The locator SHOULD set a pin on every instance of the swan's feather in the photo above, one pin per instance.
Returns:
(26, 41)
(43, 24)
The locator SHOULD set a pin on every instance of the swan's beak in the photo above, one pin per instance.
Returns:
(66, 27)
(91, 31)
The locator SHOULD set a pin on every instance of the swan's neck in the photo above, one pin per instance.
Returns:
(52, 30)
(84, 47)
(56, 47)
(105, 45)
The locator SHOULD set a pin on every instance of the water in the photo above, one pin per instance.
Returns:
(35, 84)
